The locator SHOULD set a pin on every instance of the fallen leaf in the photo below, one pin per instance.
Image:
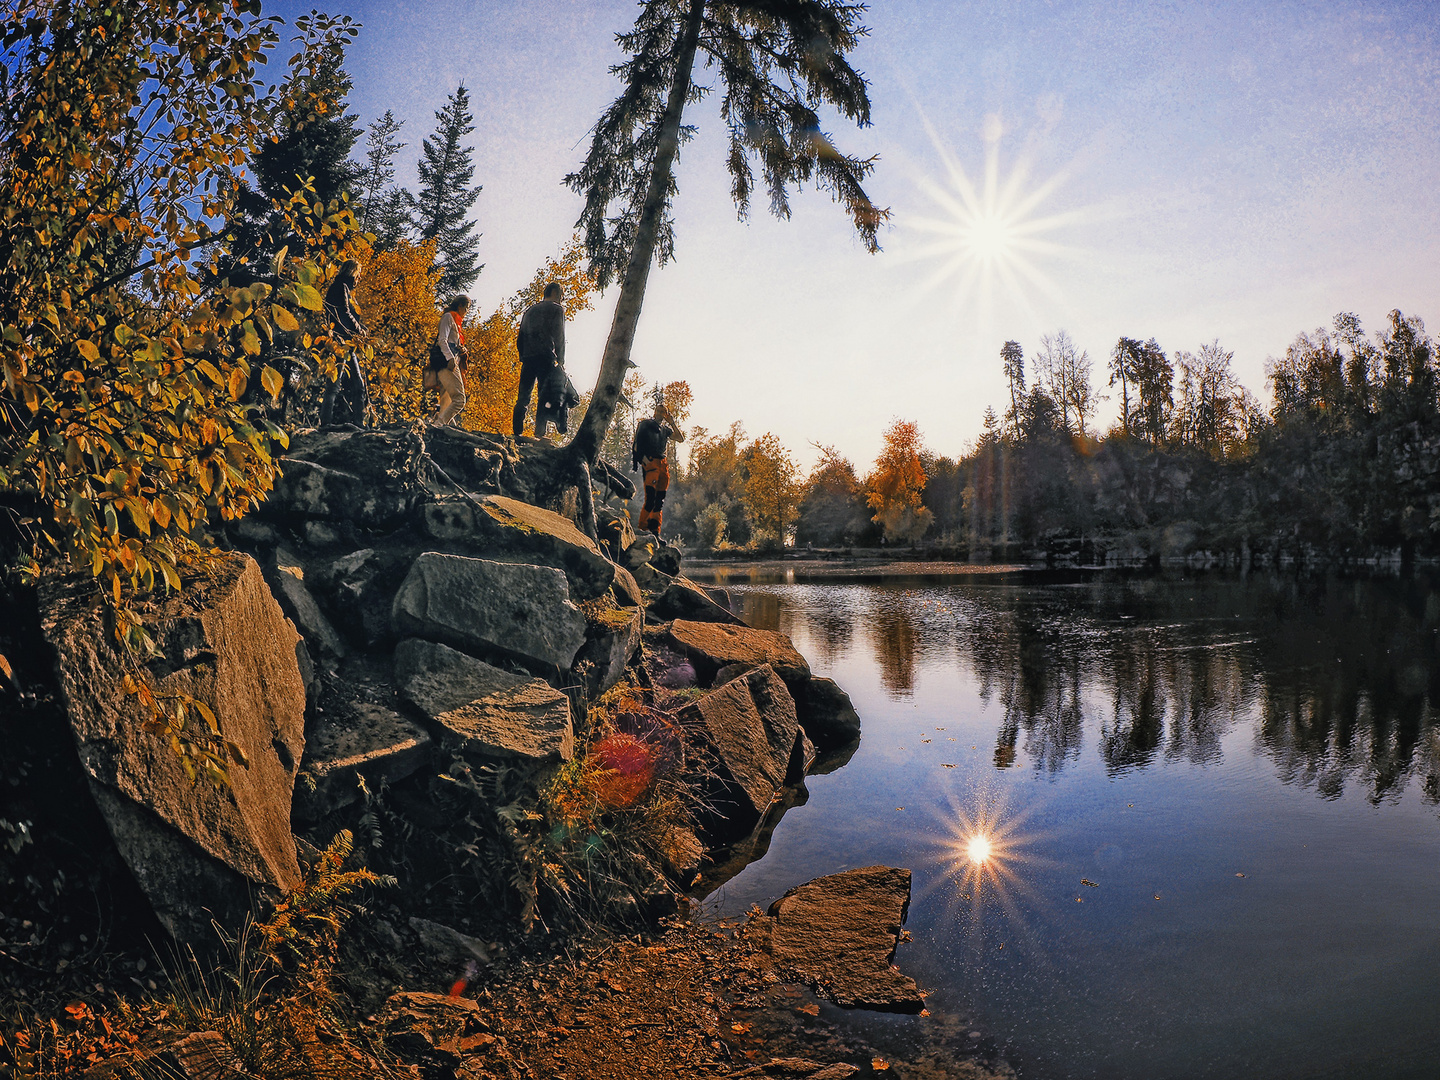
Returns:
(809, 1010)
(740, 1029)
(879, 1064)
(1087, 881)
(1239, 875)
(946, 765)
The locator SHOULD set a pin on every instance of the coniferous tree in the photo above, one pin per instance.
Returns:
(440, 211)
(777, 63)
(383, 207)
(310, 142)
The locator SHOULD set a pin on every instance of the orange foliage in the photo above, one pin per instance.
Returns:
(772, 486)
(894, 486)
(396, 297)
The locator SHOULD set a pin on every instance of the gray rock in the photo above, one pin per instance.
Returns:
(826, 714)
(286, 578)
(683, 599)
(482, 709)
(666, 559)
(360, 739)
(371, 478)
(527, 533)
(450, 518)
(750, 725)
(838, 935)
(447, 946)
(626, 589)
(474, 604)
(224, 642)
(609, 647)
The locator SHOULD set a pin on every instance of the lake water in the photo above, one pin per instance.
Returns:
(1247, 770)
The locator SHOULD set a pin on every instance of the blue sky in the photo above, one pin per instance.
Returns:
(1239, 171)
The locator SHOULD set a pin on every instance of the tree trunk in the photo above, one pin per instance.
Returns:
(587, 441)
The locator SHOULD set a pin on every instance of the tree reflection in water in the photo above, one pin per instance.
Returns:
(1339, 676)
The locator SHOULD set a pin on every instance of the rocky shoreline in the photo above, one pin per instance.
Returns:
(534, 725)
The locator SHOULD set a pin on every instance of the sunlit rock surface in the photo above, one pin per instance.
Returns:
(194, 848)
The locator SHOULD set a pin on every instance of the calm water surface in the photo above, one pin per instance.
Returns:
(1247, 770)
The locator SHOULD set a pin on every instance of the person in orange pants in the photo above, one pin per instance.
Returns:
(647, 453)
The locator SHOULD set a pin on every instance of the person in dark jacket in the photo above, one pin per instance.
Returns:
(541, 344)
(647, 453)
(345, 324)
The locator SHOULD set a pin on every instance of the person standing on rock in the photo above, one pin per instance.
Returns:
(541, 344)
(448, 359)
(647, 453)
(345, 324)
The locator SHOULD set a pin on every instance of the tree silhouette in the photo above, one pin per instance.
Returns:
(441, 209)
(778, 61)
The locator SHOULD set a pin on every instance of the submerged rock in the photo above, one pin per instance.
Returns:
(838, 934)
(476, 604)
(194, 848)
(482, 709)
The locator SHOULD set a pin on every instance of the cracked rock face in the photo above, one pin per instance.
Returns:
(224, 642)
(482, 709)
(477, 605)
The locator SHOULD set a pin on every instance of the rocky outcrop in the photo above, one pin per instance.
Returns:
(712, 646)
(491, 607)
(368, 478)
(223, 642)
(750, 726)
(286, 577)
(838, 935)
(364, 740)
(481, 709)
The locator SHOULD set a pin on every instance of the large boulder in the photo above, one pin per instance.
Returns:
(481, 709)
(826, 714)
(712, 646)
(683, 599)
(371, 478)
(512, 609)
(358, 739)
(749, 724)
(838, 935)
(507, 529)
(224, 642)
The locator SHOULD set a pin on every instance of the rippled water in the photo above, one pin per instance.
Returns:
(1246, 770)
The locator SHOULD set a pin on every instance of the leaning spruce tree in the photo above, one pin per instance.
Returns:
(443, 205)
(778, 61)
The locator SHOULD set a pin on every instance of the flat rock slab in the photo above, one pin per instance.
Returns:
(750, 724)
(712, 646)
(543, 536)
(515, 609)
(364, 739)
(224, 642)
(838, 935)
(482, 709)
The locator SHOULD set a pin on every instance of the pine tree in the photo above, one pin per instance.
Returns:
(777, 62)
(439, 212)
(383, 209)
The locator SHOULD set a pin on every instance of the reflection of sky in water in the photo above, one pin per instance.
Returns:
(1159, 738)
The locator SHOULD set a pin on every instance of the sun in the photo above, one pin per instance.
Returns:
(978, 849)
(998, 235)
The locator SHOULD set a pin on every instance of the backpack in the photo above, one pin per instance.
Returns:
(650, 439)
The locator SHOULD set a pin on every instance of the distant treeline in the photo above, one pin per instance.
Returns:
(1346, 462)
